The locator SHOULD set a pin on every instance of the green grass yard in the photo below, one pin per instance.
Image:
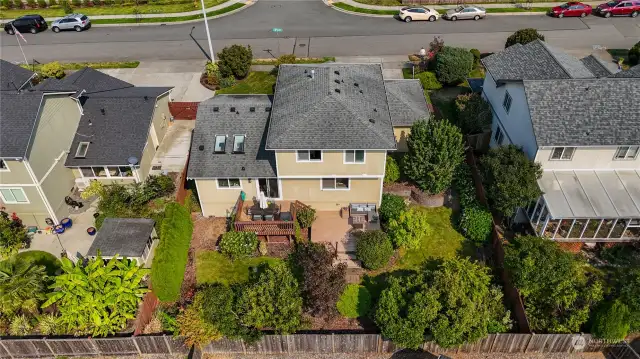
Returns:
(441, 11)
(363, 10)
(299, 60)
(257, 82)
(224, 10)
(94, 65)
(214, 267)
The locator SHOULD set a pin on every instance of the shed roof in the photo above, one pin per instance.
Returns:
(126, 237)
(407, 103)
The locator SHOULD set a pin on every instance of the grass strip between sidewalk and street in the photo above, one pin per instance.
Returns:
(168, 19)
(441, 11)
(348, 7)
(93, 65)
(299, 60)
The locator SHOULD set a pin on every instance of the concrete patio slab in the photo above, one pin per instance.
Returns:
(174, 149)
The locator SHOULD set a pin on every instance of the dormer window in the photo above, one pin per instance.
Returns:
(81, 151)
(238, 144)
(221, 141)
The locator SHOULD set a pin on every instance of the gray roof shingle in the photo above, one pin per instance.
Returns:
(407, 102)
(534, 61)
(343, 106)
(581, 112)
(126, 237)
(255, 161)
(633, 72)
(12, 77)
(598, 67)
(18, 115)
(92, 80)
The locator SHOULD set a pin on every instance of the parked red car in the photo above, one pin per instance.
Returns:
(571, 9)
(619, 8)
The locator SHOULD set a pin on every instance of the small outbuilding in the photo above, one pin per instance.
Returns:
(134, 238)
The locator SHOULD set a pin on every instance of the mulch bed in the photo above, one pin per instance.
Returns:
(279, 250)
(338, 323)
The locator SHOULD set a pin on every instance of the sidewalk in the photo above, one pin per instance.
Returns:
(452, 6)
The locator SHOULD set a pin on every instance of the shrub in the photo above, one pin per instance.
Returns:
(630, 295)
(474, 113)
(20, 325)
(286, 59)
(464, 186)
(77, 3)
(435, 148)
(13, 234)
(391, 170)
(48, 324)
(235, 61)
(66, 7)
(193, 326)
(170, 259)
(218, 310)
(373, 249)
(42, 4)
(476, 224)
(410, 228)
(238, 245)
(510, 179)
(634, 54)
(453, 64)
(429, 80)
(306, 216)
(7, 4)
(227, 81)
(611, 321)
(159, 186)
(355, 302)
(262, 248)
(476, 57)
(391, 207)
(31, 3)
(523, 36)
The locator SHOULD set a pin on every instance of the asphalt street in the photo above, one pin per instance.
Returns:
(310, 28)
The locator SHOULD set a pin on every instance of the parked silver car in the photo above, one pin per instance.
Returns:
(77, 22)
(466, 12)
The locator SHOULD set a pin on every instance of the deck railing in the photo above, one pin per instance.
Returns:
(267, 228)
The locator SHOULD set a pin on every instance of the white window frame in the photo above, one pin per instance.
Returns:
(364, 157)
(507, 101)
(108, 175)
(215, 142)
(562, 154)
(626, 155)
(229, 183)
(6, 166)
(309, 153)
(244, 138)
(4, 200)
(335, 184)
(84, 154)
(498, 137)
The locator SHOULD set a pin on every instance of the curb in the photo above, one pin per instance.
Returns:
(329, 4)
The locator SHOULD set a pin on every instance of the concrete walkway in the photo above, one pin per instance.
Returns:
(452, 6)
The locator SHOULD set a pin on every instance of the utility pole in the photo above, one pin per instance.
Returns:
(206, 26)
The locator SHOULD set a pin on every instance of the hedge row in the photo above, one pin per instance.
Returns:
(170, 260)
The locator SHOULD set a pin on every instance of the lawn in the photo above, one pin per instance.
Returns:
(129, 9)
(41, 258)
(299, 60)
(256, 83)
(224, 10)
(364, 11)
(214, 267)
(94, 65)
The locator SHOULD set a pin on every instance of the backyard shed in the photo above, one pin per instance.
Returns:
(134, 238)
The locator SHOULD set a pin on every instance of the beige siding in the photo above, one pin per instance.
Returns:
(56, 187)
(332, 164)
(586, 158)
(220, 202)
(147, 158)
(401, 134)
(161, 117)
(307, 191)
(17, 173)
(32, 213)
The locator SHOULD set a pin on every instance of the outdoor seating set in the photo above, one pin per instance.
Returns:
(271, 213)
(362, 215)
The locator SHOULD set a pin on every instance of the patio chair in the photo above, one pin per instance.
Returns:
(256, 217)
(268, 217)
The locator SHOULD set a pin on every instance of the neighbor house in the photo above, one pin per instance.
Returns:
(132, 238)
(322, 139)
(580, 119)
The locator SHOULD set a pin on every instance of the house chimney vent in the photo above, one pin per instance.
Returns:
(337, 81)
(102, 111)
(201, 147)
(337, 90)
(356, 84)
(313, 74)
(337, 72)
(372, 120)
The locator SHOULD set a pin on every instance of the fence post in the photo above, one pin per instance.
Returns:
(379, 349)
(135, 342)
(166, 342)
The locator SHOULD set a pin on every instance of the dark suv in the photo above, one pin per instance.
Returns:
(27, 23)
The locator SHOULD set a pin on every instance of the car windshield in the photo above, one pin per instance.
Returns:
(459, 9)
(612, 3)
(83, 18)
(564, 6)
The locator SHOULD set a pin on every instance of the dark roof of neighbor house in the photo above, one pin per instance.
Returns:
(633, 72)
(125, 237)
(340, 106)
(18, 115)
(599, 67)
(13, 76)
(116, 124)
(581, 112)
(255, 161)
(534, 61)
(407, 102)
(92, 80)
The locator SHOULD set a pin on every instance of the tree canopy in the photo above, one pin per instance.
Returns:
(523, 36)
(22, 286)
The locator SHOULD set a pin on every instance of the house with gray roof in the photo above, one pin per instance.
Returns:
(131, 238)
(321, 139)
(14, 77)
(583, 129)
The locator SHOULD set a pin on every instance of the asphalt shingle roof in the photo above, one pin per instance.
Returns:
(116, 124)
(534, 61)
(633, 72)
(126, 237)
(18, 115)
(585, 112)
(12, 77)
(342, 106)
(598, 67)
(92, 80)
(407, 103)
(255, 161)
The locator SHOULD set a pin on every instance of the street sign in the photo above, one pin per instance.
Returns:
(276, 29)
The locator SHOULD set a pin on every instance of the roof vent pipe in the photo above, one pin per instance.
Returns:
(313, 74)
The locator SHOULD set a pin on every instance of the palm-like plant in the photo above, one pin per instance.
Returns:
(22, 287)
(97, 298)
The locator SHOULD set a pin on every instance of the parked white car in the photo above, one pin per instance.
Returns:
(408, 14)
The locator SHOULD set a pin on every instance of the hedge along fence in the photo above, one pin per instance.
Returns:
(170, 259)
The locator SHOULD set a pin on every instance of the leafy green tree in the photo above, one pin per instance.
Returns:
(271, 299)
(453, 64)
(474, 113)
(373, 248)
(630, 295)
(435, 150)
(22, 286)
(235, 61)
(238, 245)
(523, 36)
(476, 57)
(218, 309)
(193, 326)
(355, 302)
(557, 289)
(634, 54)
(52, 70)
(391, 207)
(510, 179)
(410, 228)
(97, 298)
(13, 234)
(611, 321)
(391, 171)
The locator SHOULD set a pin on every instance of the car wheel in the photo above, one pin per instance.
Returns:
(476, 18)
(77, 28)
(432, 18)
(454, 18)
(634, 14)
(10, 32)
(55, 29)
(33, 30)
(583, 14)
(560, 16)
(607, 14)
